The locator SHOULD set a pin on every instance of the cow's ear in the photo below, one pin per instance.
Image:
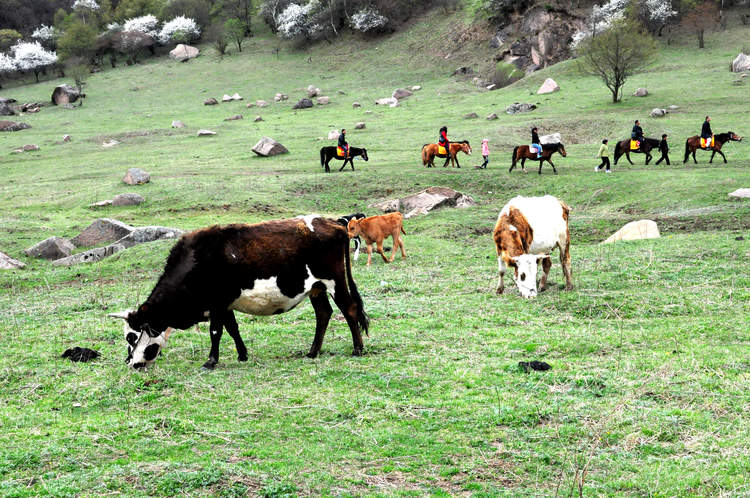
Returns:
(120, 314)
(540, 257)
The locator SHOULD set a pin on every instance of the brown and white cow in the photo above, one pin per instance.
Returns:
(262, 269)
(528, 229)
(375, 229)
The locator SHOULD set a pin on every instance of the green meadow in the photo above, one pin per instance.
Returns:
(648, 391)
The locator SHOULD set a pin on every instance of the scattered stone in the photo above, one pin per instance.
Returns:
(673, 107)
(741, 63)
(640, 92)
(539, 366)
(250, 104)
(136, 176)
(303, 104)
(395, 104)
(183, 53)
(226, 98)
(491, 87)
(236, 96)
(416, 88)
(101, 204)
(386, 101)
(463, 70)
(323, 100)
(142, 235)
(312, 91)
(206, 133)
(211, 101)
(740, 193)
(127, 199)
(368, 112)
(65, 94)
(31, 107)
(110, 143)
(360, 126)
(519, 107)
(8, 263)
(236, 117)
(479, 82)
(178, 124)
(6, 110)
(425, 201)
(267, 146)
(658, 113)
(471, 115)
(333, 135)
(341, 92)
(356, 105)
(280, 97)
(77, 354)
(548, 86)
(66, 138)
(102, 231)
(401, 94)
(552, 138)
(13, 126)
(26, 148)
(492, 116)
(258, 119)
(739, 237)
(261, 103)
(89, 256)
(635, 230)
(51, 248)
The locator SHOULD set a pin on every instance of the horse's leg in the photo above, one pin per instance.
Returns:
(541, 161)
(343, 165)
(627, 155)
(328, 160)
(713, 153)
(447, 159)
(523, 164)
(722, 155)
(648, 158)
(694, 159)
(554, 170)
(512, 165)
(455, 158)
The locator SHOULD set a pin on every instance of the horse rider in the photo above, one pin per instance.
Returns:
(535, 142)
(637, 133)
(706, 132)
(443, 140)
(342, 142)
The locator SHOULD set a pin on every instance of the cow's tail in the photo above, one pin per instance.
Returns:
(362, 318)
(322, 157)
(402, 230)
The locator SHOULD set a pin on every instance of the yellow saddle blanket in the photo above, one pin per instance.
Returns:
(340, 152)
(710, 142)
(441, 150)
(635, 145)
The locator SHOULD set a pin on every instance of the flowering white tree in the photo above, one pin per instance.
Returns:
(85, 4)
(298, 21)
(179, 29)
(31, 56)
(148, 25)
(654, 13)
(44, 33)
(368, 19)
(7, 64)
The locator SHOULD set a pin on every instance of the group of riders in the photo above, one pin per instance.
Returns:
(706, 134)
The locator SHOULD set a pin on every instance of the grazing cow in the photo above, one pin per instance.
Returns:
(528, 229)
(375, 229)
(344, 220)
(262, 269)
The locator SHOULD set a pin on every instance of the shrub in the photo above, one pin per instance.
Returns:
(8, 38)
(298, 21)
(235, 29)
(369, 20)
(145, 24)
(31, 56)
(505, 74)
(218, 38)
(180, 29)
(78, 40)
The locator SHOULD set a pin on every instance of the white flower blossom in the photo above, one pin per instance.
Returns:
(658, 11)
(145, 24)
(296, 20)
(85, 4)
(44, 33)
(652, 11)
(7, 63)
(368, 19)
(114, 27)
(181, 24)
(31, 56)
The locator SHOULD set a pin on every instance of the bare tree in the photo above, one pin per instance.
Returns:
(701, 18)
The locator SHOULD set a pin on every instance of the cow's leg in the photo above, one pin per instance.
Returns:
(546, 265)
(382, 253)
(234, 332)
(400, 244)
(501, 267)
(369, 252)
(565, 263)
(323, 310)
(350, 310)
(215, 327)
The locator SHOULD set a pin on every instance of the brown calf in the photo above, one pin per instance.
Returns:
(375, 229)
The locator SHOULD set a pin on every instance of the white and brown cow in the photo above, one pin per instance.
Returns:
(528, 229)
(262, 269)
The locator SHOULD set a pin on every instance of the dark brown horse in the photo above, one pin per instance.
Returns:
(522, 152)
(328, 153)
(430, 152)
(694, 143)
(647, 145)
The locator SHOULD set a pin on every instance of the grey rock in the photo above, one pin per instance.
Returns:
(471, 115)
(261, 103)
(8, 263)
(640, 92)
(101, 204)
(211, 101)
(741, 63)
(389, 101)
(102, 231)
(6, 110)
(142, 235)
(658, 113)
(303, 104)
(356, 105)
(206, 133)
(333, 135)
(183, 53)
(401, 94)
(66, 138)
(51, 248)
(552, 138)
(519, 107)
(492, 116)
(323, 100)
(425, 201)
(267, 146)
(136, 176)
(236, 117)
(127, 199)
(497, 41)
(280, 97)
(90, 256)
(360, 126)
(465, 70)
(65, 94)
(258, 119)
(26, 148)
(313, 91)
(740, 193)
(178, 124)
(13, 126)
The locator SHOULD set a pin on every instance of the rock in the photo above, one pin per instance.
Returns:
(261, 103)
(341, 92)
(13, 126)
(26, 148)
(492, 116)
(463, 70)
(8, 263)
(280, 97)
(110, 143)
(66, 138)
(183, 53)
(395, 104)
(6, 110)
(236, 96)
(303, 104)
(416, 88)
(539, 366)
(136, 176)
(226, 98)
(635, 230)
(258, 119)
(333, 135)
(142, 235)
(269, 147)
(640, 92)
(518, 107)
(51, 248)
(401, 94)
(312, 91)
(234, 118)
(548, 86)
(425, 201)
(101, 204)
(360, 126)
(178, 124)
(491, 87)
(673, 107)
(497, 41)
(741, 63)
(323, 100)
(386, 101)
(471, 115)
(479, 82)
(658, 113)
(211, 101)
(89, 256)
(3, 100)
(127, 199)
(102, 231)
(206, 133)
(250, 104)
(368, 112)
(552, 138)
(65, 94)
(31, 107)
(356, 105)
(740, 193)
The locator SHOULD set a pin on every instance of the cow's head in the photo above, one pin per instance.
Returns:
(525, 267)
(353, 228)
(144, 343)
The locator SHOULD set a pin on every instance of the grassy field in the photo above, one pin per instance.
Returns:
(648, 391)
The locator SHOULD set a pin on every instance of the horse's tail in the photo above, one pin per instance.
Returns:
(687, 150)
(322, 157)
(515, 155)
(424, 154)
(618, 151)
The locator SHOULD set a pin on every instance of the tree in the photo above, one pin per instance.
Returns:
(700, 18)
(180, 29)
(78, 41)
(616, 54)
(7, 65)
(218, 38)
(131, 43)
(237, 9)
(8, 38)
(78, 69)
(85, 8)
(137, 8)
(199, 10)
(31, 56)
(235, 30)
(369, 20)
(148, 25)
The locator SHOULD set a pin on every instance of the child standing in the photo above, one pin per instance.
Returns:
(604, 154)
(485, 153)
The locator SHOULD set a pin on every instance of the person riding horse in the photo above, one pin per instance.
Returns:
(443, 140)
(536, 142)
(637, 133)
(343, 143)
(706, 133)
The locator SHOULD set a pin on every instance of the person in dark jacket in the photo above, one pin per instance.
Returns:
(536, 142)
(637, 133)
(343, 143)
(443, 140)
(706, 132)
(664, 148)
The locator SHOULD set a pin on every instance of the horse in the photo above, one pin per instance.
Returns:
(522, 152)
(430, 152)
(694, 143)
(646, 146)
(328, 153)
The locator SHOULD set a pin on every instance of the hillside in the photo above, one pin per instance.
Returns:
(648, 386)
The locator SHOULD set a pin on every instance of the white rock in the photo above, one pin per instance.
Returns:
(635, 230)
(360, 126)
(740, 193)
(741, 63)
(204, 133)
(226, 98)
(178, 124)
(236, 96)
(333, 135)
(640, 92)
(658, 113)
(183, 53)
(548, 86)
(387, 101)
(8, 263)
(416, 88)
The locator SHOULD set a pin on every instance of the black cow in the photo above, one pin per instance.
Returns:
(344, 220)
(262, 269)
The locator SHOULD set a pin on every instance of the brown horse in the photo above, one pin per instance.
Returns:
(430, 152)
(694, 143)
(622, 148)
(522, 152)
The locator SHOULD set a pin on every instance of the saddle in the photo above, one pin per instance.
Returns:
(441, 150)
(340, 152)
(635, 144)
(707, 142)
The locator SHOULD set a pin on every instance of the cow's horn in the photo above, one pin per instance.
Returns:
(120, 314)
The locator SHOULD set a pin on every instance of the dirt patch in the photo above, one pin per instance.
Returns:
(127, 135)
(574, 131)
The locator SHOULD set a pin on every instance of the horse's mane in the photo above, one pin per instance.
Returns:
(462, 142)
(551, 146)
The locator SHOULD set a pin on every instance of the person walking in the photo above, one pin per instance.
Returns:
(664, 148)
(706, 133)
(604, 154)
(485, 153)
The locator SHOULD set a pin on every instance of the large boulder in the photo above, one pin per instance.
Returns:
(640, 92)
(183, 53)
(635, 230)
(102, 231)
(360, 126)
(740, 193)
(267, 146)
(313, 91)
(8, 263)
(333, 135)
(548, 86)
(552, 138)
(65, 94)
(519, 107)
(303, 104)
(148, 234)
(323, 100)
(389, 101)
(741, 63)
(136, 176)
(658, 113)
(13, 126)
(128, 199)
(401, 94)
(425, 201)
(90, 256)
(6, 110)
(51, 248)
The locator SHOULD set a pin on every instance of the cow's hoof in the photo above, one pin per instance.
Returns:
(568, 287)
(209, 365)
(499, 291)
(357, 352)
(312, 354)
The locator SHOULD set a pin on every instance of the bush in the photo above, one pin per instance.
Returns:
(218, 38)
(8, 38)
(506, 74)
(299, 21)
(235, 30)
(31, 56)
(199, 10)
(147, 25)
(180, 29)
(78, 40)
